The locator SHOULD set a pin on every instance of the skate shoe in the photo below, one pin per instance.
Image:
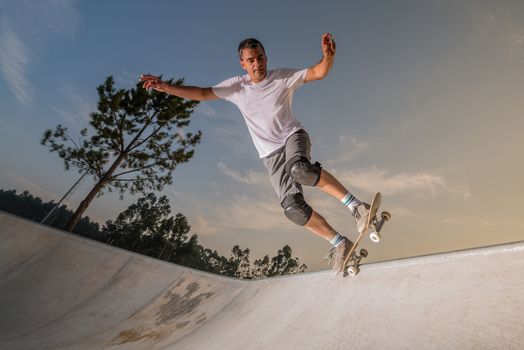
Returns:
(337, 255)
(361, 214)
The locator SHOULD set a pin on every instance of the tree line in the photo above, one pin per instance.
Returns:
(147, 227)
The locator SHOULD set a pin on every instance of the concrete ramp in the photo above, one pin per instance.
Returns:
(61, 291)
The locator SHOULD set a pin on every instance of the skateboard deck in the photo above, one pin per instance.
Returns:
(352, 262)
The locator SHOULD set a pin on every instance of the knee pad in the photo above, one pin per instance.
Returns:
(303, 172)
(296, 209)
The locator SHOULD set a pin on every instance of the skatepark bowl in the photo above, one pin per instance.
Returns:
(62, 291)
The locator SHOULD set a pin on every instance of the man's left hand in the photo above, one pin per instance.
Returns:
(328, 46)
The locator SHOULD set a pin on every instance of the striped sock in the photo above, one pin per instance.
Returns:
(350, 201)
(337, 240)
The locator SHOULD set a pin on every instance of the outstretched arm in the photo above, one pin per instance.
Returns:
(321, 69)
(188, 92)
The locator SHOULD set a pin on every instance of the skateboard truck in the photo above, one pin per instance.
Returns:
(354, 269)
(352, 263)
(377, 225)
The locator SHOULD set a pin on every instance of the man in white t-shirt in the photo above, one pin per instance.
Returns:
(264, 98)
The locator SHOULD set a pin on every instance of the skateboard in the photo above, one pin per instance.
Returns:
(352, 262)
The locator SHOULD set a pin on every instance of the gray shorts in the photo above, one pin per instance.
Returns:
(297, 145)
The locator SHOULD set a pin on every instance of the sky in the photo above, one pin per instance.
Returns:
(424, 104)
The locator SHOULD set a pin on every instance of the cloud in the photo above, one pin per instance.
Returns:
(234, 139)
(77, 106)
(127, 78)
(249, 213)
(203, 226)
(27, 24)
(14, 57)
(347, 149)
(388, 183)
(254, 214)
(403, 213)
(206, 109)
(238, 212)
(32, 187)
(500, 29)
(250, 178)
(229, 133)
(487, 223)
(260, 210)
(492, 23)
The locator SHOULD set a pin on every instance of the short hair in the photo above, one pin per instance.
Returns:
(250, 43)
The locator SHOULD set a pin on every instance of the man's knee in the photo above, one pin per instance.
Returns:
(296, 209)
(302, 171)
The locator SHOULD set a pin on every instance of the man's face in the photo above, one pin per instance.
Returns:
(254, 62)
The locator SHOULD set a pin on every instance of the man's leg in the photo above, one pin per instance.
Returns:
(299, 167)
(305, 173)
(319, 226)
(298, 211)
(329, 184)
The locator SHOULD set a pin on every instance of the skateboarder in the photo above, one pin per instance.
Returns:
(264, 98)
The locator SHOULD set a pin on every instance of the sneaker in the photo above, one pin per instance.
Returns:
(337, 255)
(361, 215)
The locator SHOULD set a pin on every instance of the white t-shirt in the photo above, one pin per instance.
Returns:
(266, 106)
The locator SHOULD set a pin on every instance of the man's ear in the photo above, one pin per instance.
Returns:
(242, 64)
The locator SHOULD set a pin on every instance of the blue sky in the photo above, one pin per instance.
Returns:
(424, 103)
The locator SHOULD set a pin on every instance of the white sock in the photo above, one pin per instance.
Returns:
(337, 240)
(350, 201)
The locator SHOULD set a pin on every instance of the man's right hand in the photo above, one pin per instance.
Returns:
(188, 92)
(152, 82)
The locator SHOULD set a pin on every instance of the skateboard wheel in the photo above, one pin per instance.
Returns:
(374, 236)
(363, 253)
(353, 271)
(385, 215)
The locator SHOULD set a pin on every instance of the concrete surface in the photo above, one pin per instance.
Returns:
(60, 291)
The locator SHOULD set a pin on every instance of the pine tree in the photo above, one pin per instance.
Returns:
(135, 142)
